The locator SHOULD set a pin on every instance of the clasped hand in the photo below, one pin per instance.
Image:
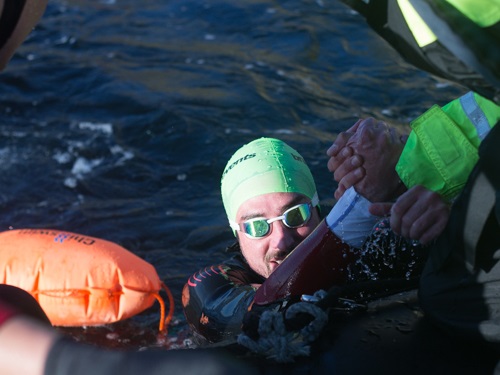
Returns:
(365, 156)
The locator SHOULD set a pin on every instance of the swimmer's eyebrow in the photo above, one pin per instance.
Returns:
(295, 201)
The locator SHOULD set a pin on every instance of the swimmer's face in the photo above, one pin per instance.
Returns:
(13, 33)
(265, 254)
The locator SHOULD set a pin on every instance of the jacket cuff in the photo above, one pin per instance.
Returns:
(350, 219)
(437, 155)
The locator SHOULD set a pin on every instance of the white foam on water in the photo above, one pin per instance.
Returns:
(105, 128)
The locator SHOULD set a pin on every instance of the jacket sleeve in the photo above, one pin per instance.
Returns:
(442, 147)
(216, 299)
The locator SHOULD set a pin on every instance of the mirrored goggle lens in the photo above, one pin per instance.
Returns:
(256, 228)
(293, 218)
(297, 216)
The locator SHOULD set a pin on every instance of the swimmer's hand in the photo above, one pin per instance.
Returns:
(418, 214)
(346, 167)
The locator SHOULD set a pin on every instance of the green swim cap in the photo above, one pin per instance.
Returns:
(265, 165)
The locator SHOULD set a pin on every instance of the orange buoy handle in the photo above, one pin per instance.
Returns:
(165, 321)
(171, 305)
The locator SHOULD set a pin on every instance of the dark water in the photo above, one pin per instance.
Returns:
(118, 116)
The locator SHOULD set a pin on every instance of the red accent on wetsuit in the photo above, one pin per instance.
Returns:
(6, 312)
(318, 262)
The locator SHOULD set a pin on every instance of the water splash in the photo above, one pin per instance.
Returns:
(385, 255)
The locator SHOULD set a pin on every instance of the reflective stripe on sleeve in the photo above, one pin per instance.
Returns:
(475, 114)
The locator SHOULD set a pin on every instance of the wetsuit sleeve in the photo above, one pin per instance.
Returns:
(442, 147)
(216, 299)
(70, 357)
(16, 301)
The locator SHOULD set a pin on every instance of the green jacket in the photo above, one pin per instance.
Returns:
(442, 148)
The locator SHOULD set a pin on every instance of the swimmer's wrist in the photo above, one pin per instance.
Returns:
(350, 218)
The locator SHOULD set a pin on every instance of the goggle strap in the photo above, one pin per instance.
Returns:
(315, 200)
(234, 225)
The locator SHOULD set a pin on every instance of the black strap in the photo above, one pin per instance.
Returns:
(475, 46)
(11, 13)
(480, 207)
(483, 196)
(471, 223)
(70, 357)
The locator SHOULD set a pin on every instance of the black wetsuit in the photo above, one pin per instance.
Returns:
(217, 298)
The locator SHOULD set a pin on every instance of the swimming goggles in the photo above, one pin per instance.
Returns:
(295, 217)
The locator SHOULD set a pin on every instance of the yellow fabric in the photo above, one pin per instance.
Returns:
(441, 150)
(421, 32)
(482, 12)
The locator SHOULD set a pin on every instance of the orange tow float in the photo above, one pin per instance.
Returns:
(80, 280)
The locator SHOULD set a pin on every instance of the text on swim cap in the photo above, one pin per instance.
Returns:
(236, 162)
(252, 155)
